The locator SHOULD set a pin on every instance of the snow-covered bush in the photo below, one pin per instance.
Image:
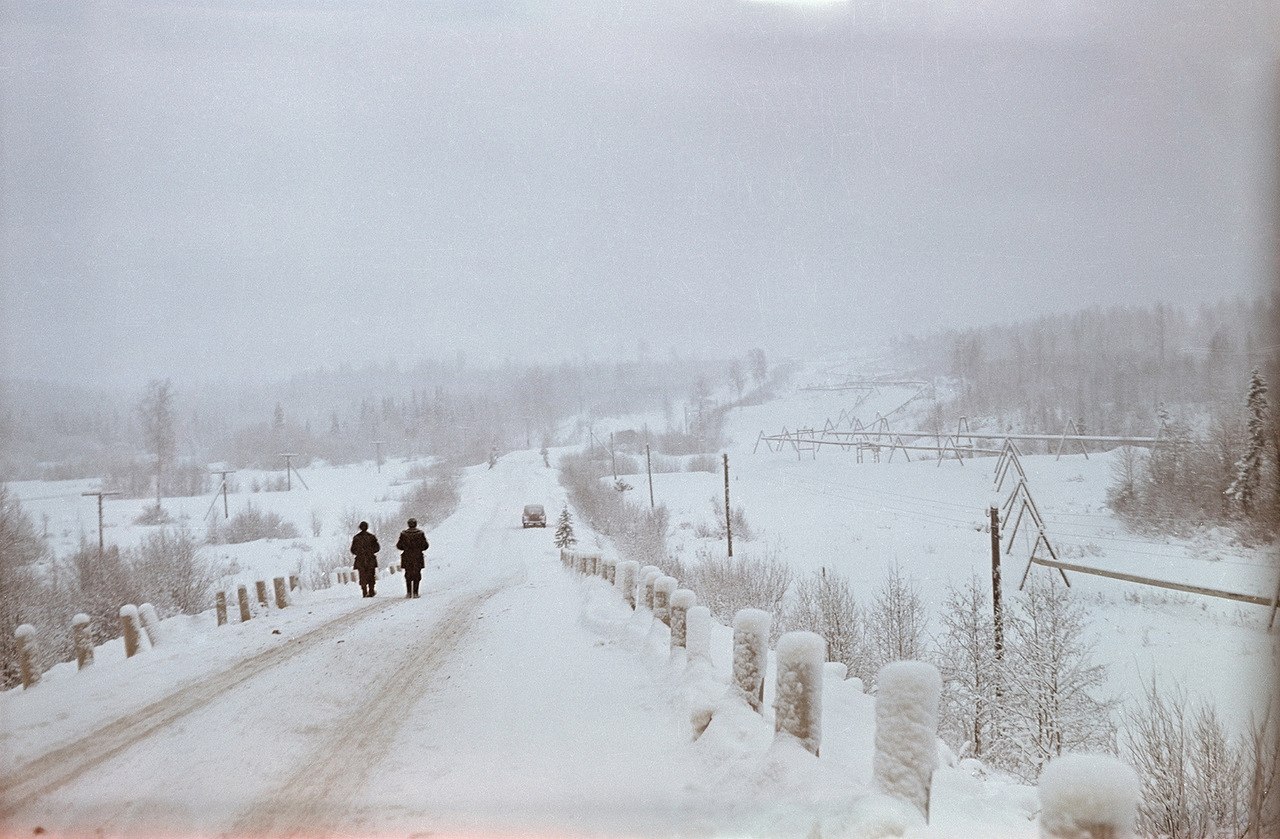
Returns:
(431, 501)
(906, 741)
(251, 524)
(970, 671)
(175, 572)
(756, 580)
(896, 622)
(1088, 796)
(823, 602)
(798, 699)
(1051, 701)
(751, 654)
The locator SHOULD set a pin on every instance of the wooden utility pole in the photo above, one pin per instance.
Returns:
(222, 488)
(728, 522)
(613, 457)
(997, 608)
(289, 471)
(648, 465)
(100, 496)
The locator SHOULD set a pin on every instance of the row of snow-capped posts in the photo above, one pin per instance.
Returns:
(280, 587)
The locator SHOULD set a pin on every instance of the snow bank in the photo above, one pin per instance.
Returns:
(1088, 796)
(751, 654)
(906, 743)
(798, 700)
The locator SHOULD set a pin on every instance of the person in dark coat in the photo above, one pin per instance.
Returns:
(412, 545)
(365, 546)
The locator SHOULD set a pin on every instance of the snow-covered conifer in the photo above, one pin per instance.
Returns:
(906, 742)
(29, 668)
(697, 638)
(82, 638)
(564, 529)
(751, 654)
(1244, 489)
(682, 600)
(150, 623)
(626, 580)
(798, 701)
(662, 589)
(1088, 796)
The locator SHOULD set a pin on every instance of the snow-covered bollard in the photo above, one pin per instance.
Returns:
(646, 587)
(261, 587)
(1088, 796)
(294, 582)
(608, 569)
(625, 580)
(682, 600)
(150, 623)
(25, 635)
(662, 590)
(242, 593)
(220, 603)
(751, 654)
(697, 640)
(906, 750)
(82, 638)
(282, 597)
(593, 565)
(642, 585)
(797, 704)
(135, 640)
(580, 562)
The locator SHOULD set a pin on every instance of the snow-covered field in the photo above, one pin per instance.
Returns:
(517, 698)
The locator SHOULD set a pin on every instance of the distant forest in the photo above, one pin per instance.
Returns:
(1187, 374)
(444, 409)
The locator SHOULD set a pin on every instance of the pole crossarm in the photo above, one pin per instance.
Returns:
(1255, 599)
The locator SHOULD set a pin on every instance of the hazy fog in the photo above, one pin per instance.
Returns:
(195, 187)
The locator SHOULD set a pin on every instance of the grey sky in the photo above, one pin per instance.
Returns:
(209, 186)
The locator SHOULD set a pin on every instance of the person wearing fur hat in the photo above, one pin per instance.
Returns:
(412, 545)
(365, 547)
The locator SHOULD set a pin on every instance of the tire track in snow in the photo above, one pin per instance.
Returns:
(66, 763)
(316, 799)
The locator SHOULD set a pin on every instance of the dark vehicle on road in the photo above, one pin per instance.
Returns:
(533, 516)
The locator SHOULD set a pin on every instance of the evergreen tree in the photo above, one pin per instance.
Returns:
(1244, 489)
(564, 530)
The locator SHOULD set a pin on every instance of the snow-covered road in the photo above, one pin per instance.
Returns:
(477, 705)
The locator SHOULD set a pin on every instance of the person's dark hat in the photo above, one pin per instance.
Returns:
(364, 525)
(413, 522)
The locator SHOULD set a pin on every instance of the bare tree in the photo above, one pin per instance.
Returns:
(157, 415)
(971, 673)
(736, 377)
(896, 622)
(823, 602)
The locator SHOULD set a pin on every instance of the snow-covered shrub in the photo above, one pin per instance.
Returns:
(28, 661)
(251, 524)
(906, 741)
(751, 654)
(703, 463)
(737, 520)
(798, 700)
(1051, 702)
(175, 572)
(662, 590)
(896, 622)
(431, 501)
(682, 600)
(697, 639)
(625, 580)
(970, 671)
(751, 580)
(152, 514)
(823, 602)
(1197, 779)
(1088, 796)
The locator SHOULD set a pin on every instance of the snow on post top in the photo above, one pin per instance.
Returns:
(683, 598)
(128, 611)
(801, 648)
(754, 621)
(1084, 792)
(79, 619)
(667, 584)
(916, 678)
(26, 630)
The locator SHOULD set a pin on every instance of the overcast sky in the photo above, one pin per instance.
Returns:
(194, 187)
